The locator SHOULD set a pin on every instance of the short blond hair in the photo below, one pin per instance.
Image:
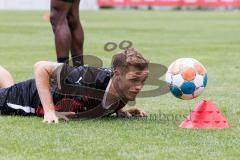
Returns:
(129, 57)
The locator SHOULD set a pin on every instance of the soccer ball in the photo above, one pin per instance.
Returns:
(187, 78)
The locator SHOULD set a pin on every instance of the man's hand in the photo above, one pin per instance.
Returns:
(54, 116)
(132, 112)
(137, 112)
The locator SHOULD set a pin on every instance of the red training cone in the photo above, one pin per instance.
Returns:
(205, 115)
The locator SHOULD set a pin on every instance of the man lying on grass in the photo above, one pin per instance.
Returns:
(60, 91)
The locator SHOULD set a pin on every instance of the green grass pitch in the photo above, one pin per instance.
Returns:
(211, 37)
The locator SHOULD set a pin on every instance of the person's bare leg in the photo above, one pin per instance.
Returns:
(58, 18)
(6, 79)
(77, 34)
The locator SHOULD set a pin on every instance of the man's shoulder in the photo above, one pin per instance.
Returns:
(83, 76)
(68, 69)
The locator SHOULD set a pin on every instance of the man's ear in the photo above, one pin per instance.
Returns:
(117, 72)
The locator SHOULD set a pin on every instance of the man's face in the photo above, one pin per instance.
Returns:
(131, 82)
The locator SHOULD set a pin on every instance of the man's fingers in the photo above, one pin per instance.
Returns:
(48, 121)
(136, 112)
(55, 121)
(141, 114)
(128, 115)
(124, 114)
(64, 117)
(67, 113)
(51, 121)
(59, 115)
(145, 114)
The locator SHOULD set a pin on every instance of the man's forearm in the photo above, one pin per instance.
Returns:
(42, 77)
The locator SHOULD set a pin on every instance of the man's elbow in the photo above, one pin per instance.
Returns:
(40, 66)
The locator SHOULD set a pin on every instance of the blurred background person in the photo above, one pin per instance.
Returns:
(68, 31)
